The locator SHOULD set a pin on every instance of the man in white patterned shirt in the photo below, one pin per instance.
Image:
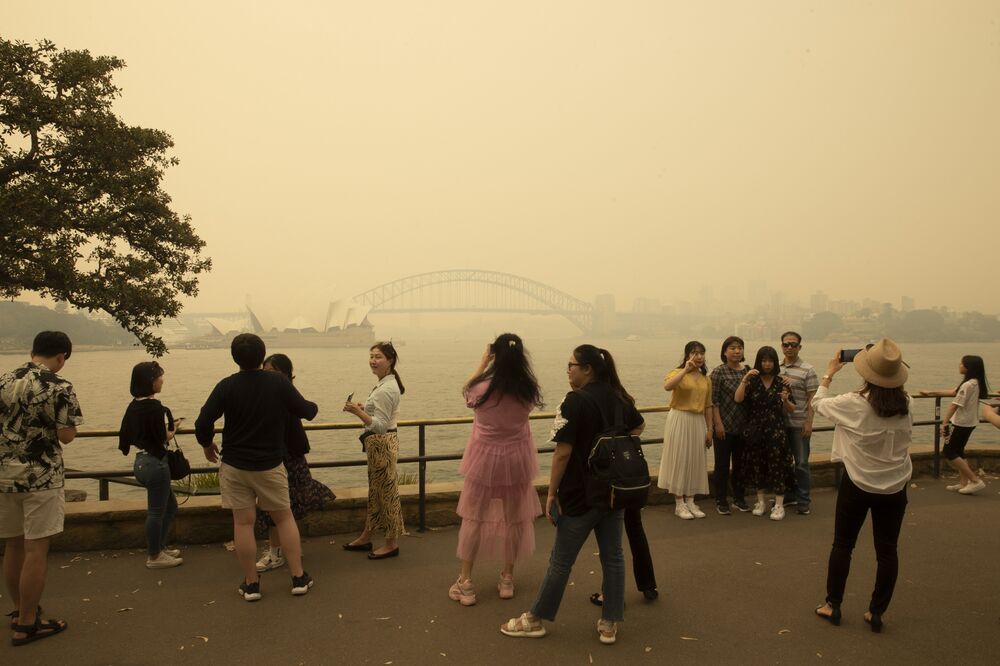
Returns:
(802, 382)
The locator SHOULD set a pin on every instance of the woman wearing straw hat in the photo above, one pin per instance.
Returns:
(871, 436)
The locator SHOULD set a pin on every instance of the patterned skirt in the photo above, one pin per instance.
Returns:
(306, 493)
(384, 511)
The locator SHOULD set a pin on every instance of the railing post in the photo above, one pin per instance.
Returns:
(103, 489)
(422, 477)
(937, 437)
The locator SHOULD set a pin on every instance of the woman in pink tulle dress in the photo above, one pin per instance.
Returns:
(499, 502)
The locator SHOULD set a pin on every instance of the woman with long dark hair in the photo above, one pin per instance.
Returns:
(379, 413)
(961, 418)
(149, 426)
(871, 436)
(498, 503)
(768, 457)
(596, 396)
(688, 432)
(305, 493)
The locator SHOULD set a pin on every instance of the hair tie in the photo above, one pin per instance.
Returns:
(511, 343)
(602, 356)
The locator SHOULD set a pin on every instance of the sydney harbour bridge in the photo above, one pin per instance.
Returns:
(468, 290)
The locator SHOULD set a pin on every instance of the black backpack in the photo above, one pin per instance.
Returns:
(617, 473)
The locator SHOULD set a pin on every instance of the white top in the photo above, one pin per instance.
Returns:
(874, 450)
(967, 399)
(383, 405)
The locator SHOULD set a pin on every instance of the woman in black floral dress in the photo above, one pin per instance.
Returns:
(306, 493)
(768, 462)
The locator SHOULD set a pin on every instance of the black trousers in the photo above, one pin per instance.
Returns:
(728, 451)
(853, 505)
(642, 561)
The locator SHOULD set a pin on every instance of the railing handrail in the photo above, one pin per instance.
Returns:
(421, 459)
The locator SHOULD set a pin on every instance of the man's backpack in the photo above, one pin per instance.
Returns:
(618, 476)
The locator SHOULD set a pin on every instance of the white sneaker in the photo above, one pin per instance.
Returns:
(971, 488)
(271, 559)
(693, 508)
(759, 508)
(163, 561)
(777, 513)
(683, 512)
(954, 486)
(172, 552)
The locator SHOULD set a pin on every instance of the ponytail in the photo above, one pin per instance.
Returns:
(604, 368)
(402, 389)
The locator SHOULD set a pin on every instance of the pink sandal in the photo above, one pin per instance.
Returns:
(506, 586)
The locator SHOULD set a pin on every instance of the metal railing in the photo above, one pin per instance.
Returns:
(105, 477)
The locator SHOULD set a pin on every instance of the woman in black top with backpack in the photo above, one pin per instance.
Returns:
(149, 426)
(583, 414)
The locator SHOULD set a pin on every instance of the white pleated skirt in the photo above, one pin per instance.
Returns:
(684, 464)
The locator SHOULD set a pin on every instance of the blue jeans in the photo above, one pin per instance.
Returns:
(571, 534)
(800, 451)
(154, 474)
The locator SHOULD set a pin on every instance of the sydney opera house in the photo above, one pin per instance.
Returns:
(344, 325)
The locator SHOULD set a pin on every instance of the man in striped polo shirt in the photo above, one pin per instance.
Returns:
(802, 382)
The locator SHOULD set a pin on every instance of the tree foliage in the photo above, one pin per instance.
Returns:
(821, 325)
(82, 215)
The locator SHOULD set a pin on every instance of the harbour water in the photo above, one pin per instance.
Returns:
(433, 372)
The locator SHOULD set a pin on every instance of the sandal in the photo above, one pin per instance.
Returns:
(37, 631)
(833, 617)
(13, 615)
(522, 627)
(607, 631)
(506, 586)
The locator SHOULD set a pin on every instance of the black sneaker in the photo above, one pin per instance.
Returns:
(723, 508)
(803, 510)
(301, 584)
(250, 591)
(742, 505)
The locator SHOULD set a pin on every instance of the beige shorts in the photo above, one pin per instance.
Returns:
(243, 489)
(36, 515)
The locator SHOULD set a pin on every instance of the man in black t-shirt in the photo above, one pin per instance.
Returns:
(578, 421)
(256, 405)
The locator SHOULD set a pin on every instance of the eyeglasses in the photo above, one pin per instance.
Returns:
(570, 365)
(789, 345)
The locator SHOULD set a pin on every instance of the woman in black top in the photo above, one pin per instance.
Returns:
(149, 426)
(305, 493)
(597, 394)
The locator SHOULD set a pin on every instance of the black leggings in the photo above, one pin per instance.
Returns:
(853, 505)
(642, 562)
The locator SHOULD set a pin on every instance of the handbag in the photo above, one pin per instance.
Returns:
(179, 465)
(618, 475)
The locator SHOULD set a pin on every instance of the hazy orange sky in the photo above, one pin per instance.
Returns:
(637, 148)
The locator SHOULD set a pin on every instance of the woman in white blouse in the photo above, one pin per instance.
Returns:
(871, 436)
(380, 442)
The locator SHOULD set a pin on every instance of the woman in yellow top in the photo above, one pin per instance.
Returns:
(688, 434)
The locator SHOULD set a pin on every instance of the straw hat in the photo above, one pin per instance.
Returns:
(882, 364)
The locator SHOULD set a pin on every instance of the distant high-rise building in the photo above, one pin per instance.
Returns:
(819, 302)
(906, 304)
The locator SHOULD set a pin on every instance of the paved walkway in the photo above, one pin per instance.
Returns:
(735, 589)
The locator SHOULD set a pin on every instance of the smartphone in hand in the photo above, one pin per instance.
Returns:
(847, 355)
(350, 396)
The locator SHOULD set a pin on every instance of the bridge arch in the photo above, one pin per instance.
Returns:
(529, 296)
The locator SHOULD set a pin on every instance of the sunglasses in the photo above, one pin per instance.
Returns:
(789, 345)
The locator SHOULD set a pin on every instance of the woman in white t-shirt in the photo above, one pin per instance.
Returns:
(961, 418)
